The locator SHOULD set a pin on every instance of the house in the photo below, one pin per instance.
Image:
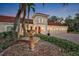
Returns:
(39, 22)
(6, 22)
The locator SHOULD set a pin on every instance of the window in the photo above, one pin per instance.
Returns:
(42, 20)
(36, 20)
(39, 21)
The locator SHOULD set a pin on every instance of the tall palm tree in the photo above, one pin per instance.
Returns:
(22, 9)
(17, 20)
(30, 6)
(23, 19)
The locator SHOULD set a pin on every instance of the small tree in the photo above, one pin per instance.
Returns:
(73, 24)
(53, 18)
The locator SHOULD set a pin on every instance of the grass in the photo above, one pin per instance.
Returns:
(69, 47)
(75, 32)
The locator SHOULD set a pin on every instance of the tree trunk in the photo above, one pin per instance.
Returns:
(17, 22)
(18, 29)
(28, 18)
(23, 21)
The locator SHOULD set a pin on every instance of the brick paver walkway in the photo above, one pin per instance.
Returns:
(42, 48)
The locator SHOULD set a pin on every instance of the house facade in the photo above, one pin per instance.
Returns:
(6, 22)
(39, 23)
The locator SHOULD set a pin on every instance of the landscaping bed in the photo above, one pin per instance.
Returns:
(69, 47)
(6, 40)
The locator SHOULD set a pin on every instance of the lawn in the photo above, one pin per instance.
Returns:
(70, 48)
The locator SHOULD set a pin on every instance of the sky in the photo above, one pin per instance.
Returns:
(52, 9)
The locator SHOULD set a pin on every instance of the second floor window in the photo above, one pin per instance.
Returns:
(42, 20)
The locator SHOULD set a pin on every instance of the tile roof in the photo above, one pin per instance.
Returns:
(56, 23)
(36, 14)
(11, 19)
(6, 18)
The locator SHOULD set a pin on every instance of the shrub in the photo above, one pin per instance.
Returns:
(68, 46)
(7, 40)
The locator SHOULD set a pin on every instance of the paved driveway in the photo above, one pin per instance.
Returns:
(68, 36)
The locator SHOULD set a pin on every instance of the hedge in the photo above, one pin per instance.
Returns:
(6, 40)
(69, 47)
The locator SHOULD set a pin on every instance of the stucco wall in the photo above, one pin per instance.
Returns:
(40, 21)
(54, 29)
(4, 25)
(21, 30)
(57, 28)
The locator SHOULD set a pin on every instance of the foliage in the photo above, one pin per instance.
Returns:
(69, 47)
(6, 34)
(73, 24)
(6, 40)
(56, 19)
(53, 18)
(30, 6)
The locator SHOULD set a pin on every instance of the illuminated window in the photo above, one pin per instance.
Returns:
(42, 20)
(38, 20)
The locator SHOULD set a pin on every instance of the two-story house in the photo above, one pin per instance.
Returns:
(39, 23)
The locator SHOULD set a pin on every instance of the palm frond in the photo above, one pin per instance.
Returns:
(33, 9)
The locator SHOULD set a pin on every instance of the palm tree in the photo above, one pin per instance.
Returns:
(17, 20)
(22, 9)
(24, 15)
(30, 6)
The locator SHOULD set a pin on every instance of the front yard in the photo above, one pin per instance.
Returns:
(69, 47)
(6, 40)
(42, 48)
(47, 46)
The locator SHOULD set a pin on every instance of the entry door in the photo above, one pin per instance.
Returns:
(36, 29)
(39, 29)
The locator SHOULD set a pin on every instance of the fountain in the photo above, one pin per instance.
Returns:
(32, 39)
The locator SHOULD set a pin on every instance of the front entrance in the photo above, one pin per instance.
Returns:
(38, 29)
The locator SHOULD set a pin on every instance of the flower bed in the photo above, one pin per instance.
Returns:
(6, 40)
(69, 47)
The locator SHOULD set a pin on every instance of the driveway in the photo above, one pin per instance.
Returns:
(69, 36)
